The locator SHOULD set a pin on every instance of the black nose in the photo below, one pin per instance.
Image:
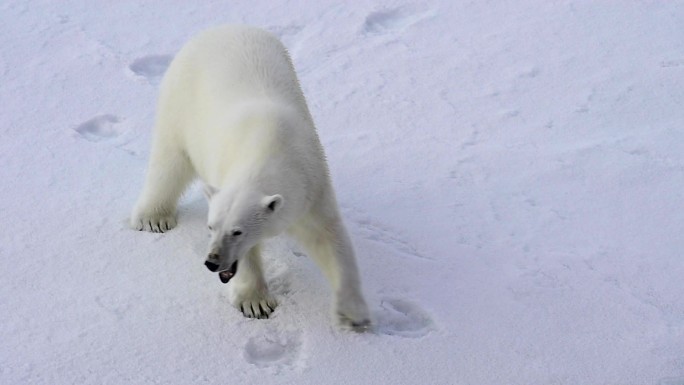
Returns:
(211, 266)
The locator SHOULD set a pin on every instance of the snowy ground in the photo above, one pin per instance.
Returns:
(512, 175)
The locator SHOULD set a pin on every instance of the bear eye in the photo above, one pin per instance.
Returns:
(210, 228)
(236, 233)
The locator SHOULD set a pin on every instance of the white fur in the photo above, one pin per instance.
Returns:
(232, 113)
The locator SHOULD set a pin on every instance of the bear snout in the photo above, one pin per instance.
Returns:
(211, 265)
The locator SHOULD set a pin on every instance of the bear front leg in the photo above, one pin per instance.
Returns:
(249, 290)
(169, 172)
(329, 246)
(350, 306)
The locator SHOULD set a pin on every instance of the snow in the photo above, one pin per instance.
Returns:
(511, 173)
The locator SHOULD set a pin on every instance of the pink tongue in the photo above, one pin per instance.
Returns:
(225, 276)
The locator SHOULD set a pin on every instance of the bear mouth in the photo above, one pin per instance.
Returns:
(226, 275)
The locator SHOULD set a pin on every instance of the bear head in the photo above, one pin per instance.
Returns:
(238, 220)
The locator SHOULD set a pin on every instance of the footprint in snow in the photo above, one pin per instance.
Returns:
(390, 20)
(530, 73)
(398, 317)
(671, 381)
(99, 128)
(151, 67)
(672, 63)
(274, 349)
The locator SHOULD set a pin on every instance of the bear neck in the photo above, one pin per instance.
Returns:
(259, 177)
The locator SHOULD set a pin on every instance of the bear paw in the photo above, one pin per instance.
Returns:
(360, 325)
(353, 313)
(154, 223)
(257, 308)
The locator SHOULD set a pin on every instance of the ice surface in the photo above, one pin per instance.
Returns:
(511, 173)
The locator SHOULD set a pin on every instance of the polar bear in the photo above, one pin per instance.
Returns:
(232, 113)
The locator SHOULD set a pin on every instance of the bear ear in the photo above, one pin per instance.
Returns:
(273, 203)
(209, 191)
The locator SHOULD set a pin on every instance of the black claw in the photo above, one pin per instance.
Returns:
(361, 326)
(361, 323)
(263, 311)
